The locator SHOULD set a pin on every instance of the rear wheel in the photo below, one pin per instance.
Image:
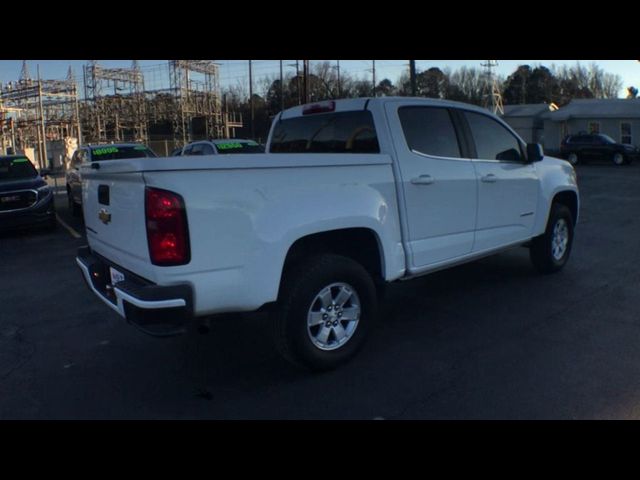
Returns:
(326, 309)
(550, 251)
(618, 159)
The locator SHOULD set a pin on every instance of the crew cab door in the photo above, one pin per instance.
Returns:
(507, 183)
(438, 184)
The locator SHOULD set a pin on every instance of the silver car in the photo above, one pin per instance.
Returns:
(222, 147)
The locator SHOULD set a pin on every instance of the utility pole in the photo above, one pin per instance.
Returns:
(297, 65)
(412, 76)
(298, 80)
(305, 80)
(374, 78)
(253, 128)
(13, 136)
(281, 89)
(77, 108)
(339, 86)
(43, 162)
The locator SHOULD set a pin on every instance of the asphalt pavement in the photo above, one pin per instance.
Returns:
(487, 340)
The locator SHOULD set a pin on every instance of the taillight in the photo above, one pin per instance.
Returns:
(167, 229)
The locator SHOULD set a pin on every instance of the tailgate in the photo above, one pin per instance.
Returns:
(114, 216)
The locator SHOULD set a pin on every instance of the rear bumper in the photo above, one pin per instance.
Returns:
(156, 310)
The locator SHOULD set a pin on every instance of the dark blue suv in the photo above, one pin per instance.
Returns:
(584, 147)
(25, 198)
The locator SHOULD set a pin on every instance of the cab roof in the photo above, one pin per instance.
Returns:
(117, 145)
(350, 104)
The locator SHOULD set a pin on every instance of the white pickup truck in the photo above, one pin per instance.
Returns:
(350, 194)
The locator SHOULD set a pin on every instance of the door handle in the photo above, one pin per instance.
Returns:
(490, 178)
(422, 180)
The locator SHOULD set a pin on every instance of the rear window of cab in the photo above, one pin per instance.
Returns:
(337, 132)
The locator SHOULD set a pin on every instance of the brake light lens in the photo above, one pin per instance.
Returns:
(167, 228)
(322, 107)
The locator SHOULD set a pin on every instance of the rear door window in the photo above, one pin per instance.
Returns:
(339, 132)
(429, 130)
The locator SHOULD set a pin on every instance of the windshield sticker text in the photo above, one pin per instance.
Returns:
(225, 146)
(105, 151)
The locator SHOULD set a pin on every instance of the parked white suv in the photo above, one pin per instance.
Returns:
(93, 153)
(351, 194)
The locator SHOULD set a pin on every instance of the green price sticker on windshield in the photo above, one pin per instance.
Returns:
(228, 146)
(105, 151)
(20, 160)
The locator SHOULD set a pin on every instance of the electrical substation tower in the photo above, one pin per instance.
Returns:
(38, 115)
(493, 99)
(196, 98)
(114, 106)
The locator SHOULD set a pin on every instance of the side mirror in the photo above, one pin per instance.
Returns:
(534, 152)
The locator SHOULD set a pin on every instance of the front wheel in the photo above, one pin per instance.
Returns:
(618, 159)
(326, 309)
(573, 159)
(550, 251)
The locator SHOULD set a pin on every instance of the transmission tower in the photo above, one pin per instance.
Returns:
(493, 99)
(24, 72)
(114, 106)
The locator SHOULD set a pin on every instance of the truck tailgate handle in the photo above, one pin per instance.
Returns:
(422, 180)
(490, 178)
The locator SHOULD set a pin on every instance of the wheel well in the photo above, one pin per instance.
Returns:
(360, 244)
(570, 200)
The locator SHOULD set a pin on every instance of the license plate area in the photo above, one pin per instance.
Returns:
(116, 276)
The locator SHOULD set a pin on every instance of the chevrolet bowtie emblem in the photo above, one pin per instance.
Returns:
(104, 216)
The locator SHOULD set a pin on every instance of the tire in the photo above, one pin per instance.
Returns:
(618, 159)
(306, 296)
(550, 251)
(573, 159)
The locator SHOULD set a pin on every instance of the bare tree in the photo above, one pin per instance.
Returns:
(611, 85)
(467, 84)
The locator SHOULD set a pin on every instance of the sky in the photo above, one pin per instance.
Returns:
(234, 71)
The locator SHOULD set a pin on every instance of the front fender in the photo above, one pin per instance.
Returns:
(555, 176)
